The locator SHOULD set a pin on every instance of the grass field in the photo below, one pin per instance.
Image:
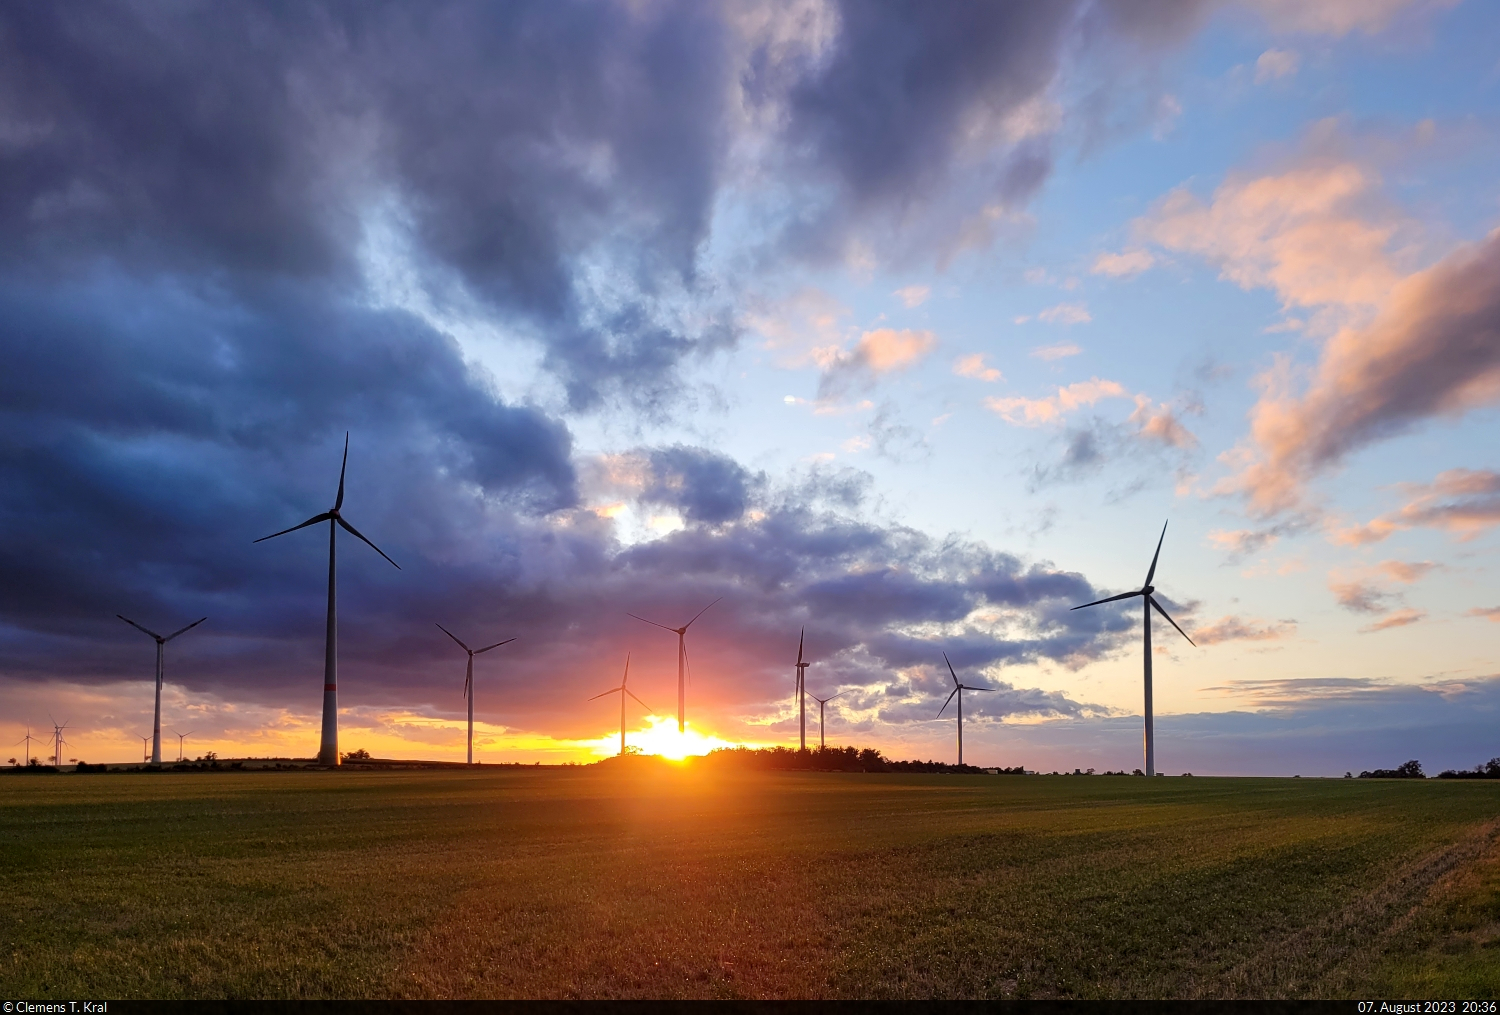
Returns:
(662, 882)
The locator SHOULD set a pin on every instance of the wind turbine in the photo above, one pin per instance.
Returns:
(57, 742)
(469, 679)
(681, 633)
(180, 738)
(821, 702)
(802, 689)
(623, 690)
(27, 739)
(1145, 593)
(161, 645)
(328, 747)
(958, 689)
(145, 749)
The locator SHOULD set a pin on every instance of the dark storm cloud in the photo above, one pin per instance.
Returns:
(704, 485)
(191, 201)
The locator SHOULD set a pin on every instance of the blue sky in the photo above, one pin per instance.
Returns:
(906, 325)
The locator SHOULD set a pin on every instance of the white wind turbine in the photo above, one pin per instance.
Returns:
(622, 690)
(469, 679)
(958, 689)
(1145, 592)
(802, 691)
(328, 747)
(161, 646)
(681, 633)
(821, 702)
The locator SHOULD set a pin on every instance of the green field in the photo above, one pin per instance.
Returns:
(662, 882)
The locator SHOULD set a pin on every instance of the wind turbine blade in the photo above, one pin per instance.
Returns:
(1163, 612)
(647, 707)
(950, 669)
(1111, 599)
(800, 638)
(355, 532)
(653, 623)
(702, 612)
(687, 661)
(966, 687)
(185, 630)
(450, 634)
(612, 690)
(315, 519)
(138, 627)
(839, 695)
(339, 502)
(945, 703)
(1152, 572)
(626, 678)
(497, 644)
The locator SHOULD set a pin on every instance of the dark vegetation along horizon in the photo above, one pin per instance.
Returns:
(729, 881)
(815, 759)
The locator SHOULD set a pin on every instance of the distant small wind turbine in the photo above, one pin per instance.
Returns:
(622, 690)
(1145, 592)
(681, 633)
(821, 702)
(180, 738)
(58, 741)
(469, 679)
(145, 749)
(27, 739)
(802, 690)
(328, 747)
(958, 689)
(161, 645)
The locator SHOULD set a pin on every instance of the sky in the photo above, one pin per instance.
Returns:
(906, 324)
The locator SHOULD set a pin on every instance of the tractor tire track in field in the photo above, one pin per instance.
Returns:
(1327, 958)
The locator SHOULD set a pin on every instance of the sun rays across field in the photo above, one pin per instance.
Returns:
(660, 737)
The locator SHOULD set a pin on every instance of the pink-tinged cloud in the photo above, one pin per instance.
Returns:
(1062, 350)
(1233, 628)
(1361, 595)
(1398, 619)
(913, 295)
(974, 366)
(1461, 502)
(1275, 64)
(1036, 411)
(1488, 612)
(882, 351)
(1124, 264)
(1406, 572)
(1066, 313)
(1433, 351)
(1160, 424)
(1307, 234)
(1240, 542)
(1337, 17)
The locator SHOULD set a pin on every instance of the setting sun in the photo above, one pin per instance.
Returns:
(660, 737)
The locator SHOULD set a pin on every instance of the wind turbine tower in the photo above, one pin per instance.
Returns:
(161, 646)
(958, 690)
(821, 702)
(328, 748)
(681, 633)
(57, 742)
(1148, 602)
(622, 690)
(180, 738)
(469, 679)
(802, 690)
(27, 739)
